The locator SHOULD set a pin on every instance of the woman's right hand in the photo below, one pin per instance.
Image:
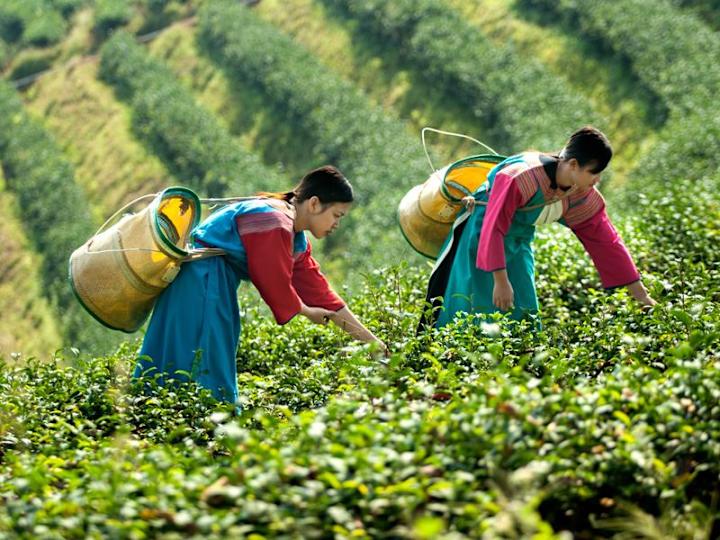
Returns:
(503, 294)
(469, 203)
(317, 315)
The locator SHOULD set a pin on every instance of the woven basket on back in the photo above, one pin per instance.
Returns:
(119, 272)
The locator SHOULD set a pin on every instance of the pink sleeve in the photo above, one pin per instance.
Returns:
(270, 265)
(607, 251)
(311, 284)
(505, 199)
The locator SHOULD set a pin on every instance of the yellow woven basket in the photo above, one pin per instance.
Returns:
(426, 213)
(119, 272)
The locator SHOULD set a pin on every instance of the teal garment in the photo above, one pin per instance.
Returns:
(195, 325)
(470, 289)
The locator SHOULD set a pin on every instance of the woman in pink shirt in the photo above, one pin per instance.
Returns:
(487, 264)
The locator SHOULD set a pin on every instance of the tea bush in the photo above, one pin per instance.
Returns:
(45, 30)
(473, 430)
(707, 10)
(109, 15)
(68, 7)
(31, 22)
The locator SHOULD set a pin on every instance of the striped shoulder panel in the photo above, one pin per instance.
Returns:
(528, 183)
(580, 208)
(524, 178)
(257, 222)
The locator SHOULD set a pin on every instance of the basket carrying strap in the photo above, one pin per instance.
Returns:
(565, 195)
(202, 253)
(207, 252)
(195, 254)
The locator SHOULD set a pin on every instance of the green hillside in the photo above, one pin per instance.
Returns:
(603, 424)
(28, 325)
(94, 130)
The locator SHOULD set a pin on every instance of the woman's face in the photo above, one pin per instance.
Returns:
(584, 177)
(325, 218)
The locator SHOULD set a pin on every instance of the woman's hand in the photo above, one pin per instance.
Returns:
(503, 294)
(317, 315)
(469, 203)
(345, 319)
(639, 293)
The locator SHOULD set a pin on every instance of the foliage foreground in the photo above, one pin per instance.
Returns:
(481, 430)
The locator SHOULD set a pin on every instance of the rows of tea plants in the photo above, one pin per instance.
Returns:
(43, 23)
(25, 310)
(366, 142)
(519, 98)
(678, 67)
(187, 137)
(605, 421)
(95, 132)
(37, 36)
(54, 210)
(473, 431)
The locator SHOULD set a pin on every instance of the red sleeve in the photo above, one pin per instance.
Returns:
(607, 251)
(311, 284)
(505, 199)
(270, 266)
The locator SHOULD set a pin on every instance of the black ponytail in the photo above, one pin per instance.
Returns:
(326, 183)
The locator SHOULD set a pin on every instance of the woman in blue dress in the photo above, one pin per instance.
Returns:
(195, 325)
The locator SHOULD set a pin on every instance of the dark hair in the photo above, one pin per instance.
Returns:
(326, 183)
(589, 145)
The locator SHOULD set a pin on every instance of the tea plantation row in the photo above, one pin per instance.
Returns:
(523, 103)
(195, 147)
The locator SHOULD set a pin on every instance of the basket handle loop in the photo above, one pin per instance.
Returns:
(128, 205)
(210, 201)
(427, 155)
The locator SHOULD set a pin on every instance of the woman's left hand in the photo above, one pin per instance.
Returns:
(317, 315)
(639, 292)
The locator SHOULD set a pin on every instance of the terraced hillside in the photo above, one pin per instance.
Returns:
(510, 73)
(473, 431)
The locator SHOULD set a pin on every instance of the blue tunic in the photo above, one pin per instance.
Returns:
(195, 325)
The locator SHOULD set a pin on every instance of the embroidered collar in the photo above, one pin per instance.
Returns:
(550, 165)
